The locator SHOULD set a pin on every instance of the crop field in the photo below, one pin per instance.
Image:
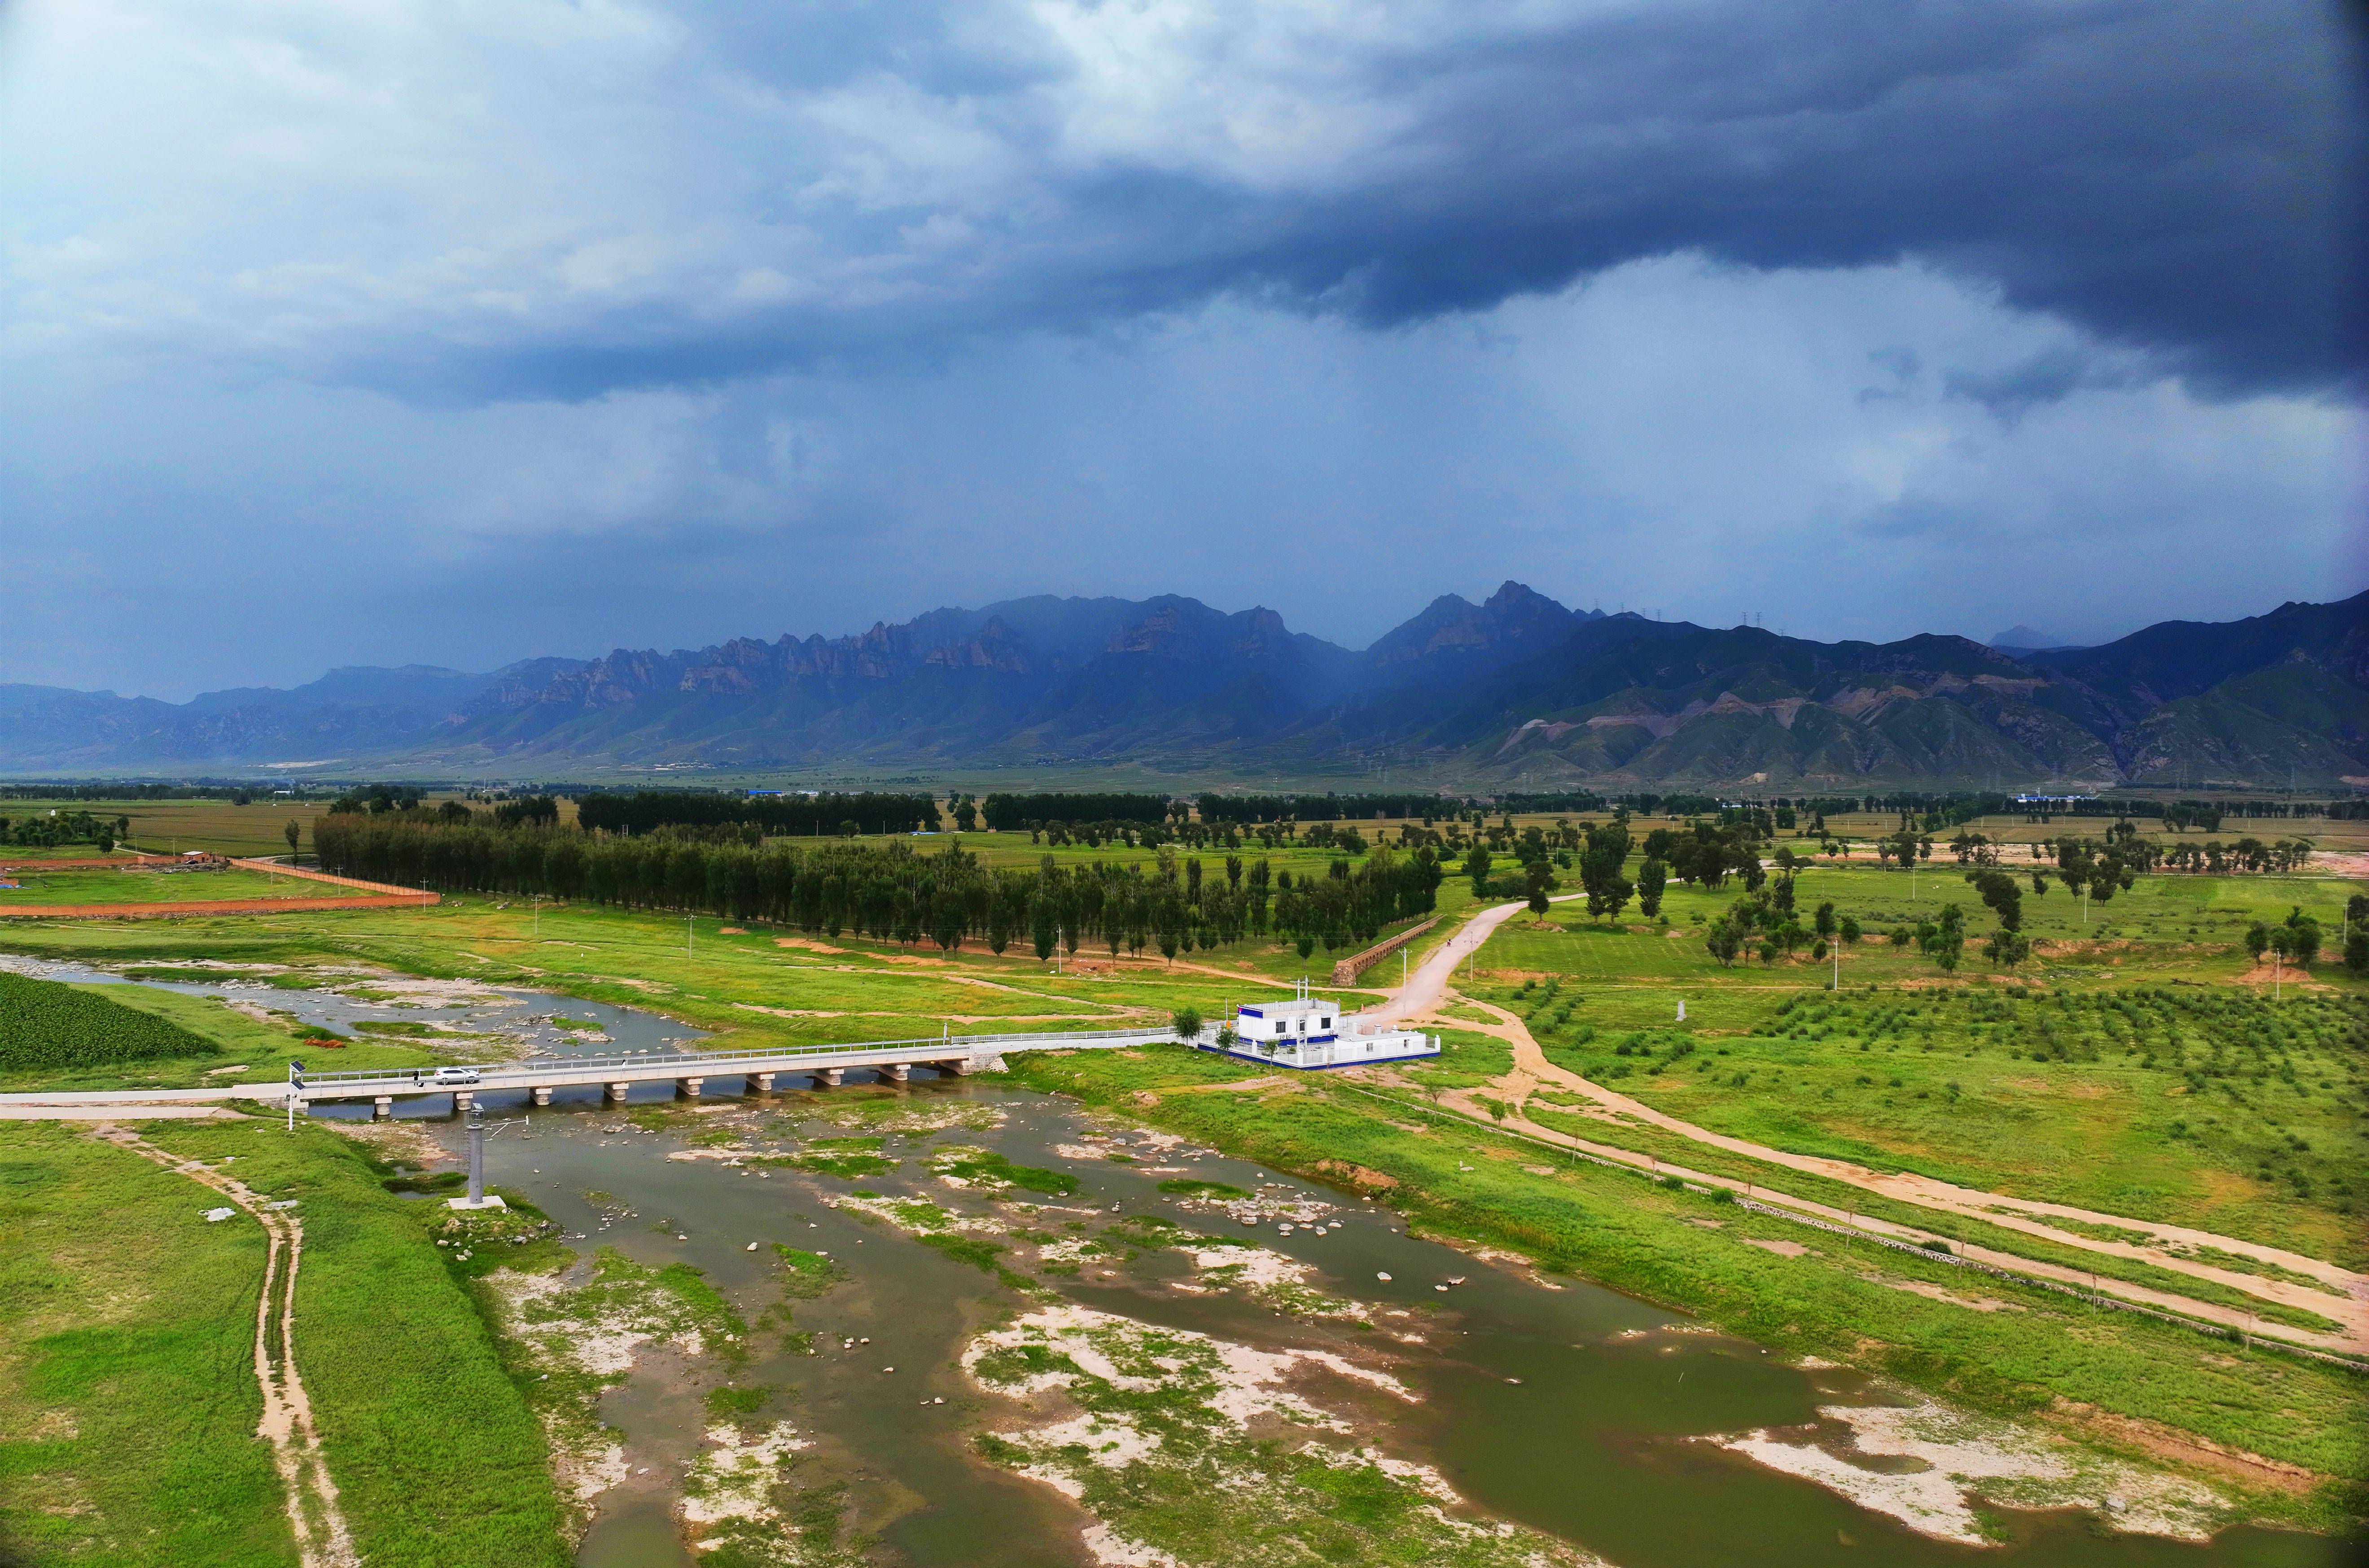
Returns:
(2165, 927)
(223, 1045)
(2246, 1123)
(169, 827)
(45, 1027)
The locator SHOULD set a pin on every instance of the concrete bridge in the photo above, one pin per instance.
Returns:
(692, 1071)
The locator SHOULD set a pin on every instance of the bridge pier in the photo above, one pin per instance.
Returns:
(542, 1093)
(687, 1087)
(462, 1100)
(761, 1083)
(830, 1077)
(382, 1108)
(897, 1071)
(615, 1093)
(954, 1067)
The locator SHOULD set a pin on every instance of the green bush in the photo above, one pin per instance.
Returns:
(45, 1024)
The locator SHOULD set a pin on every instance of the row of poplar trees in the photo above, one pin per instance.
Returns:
(889, 892)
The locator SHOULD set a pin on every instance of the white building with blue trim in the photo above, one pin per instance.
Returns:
(1308, 1033)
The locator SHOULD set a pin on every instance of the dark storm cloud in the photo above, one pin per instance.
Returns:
(565, 324)
(2164, 174)
(2167, 176)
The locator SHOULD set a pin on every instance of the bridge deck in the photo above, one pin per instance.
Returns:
(961, 1051)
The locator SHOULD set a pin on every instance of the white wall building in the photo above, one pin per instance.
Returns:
(1309, 1032)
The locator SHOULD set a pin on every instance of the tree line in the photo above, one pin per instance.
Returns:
(798, 815)
(1008, 813)
(889, 892)
(1249, 809)
(50, 829)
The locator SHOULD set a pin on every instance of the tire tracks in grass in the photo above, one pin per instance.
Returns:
(1430, 988)
(324, 1539)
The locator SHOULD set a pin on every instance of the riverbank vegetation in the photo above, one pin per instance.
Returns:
(2037, 1354)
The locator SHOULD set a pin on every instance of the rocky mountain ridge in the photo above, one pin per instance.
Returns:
(1515, 692)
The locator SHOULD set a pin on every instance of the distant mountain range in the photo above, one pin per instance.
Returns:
(1518, 692)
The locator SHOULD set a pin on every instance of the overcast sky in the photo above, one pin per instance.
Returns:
(389, 331)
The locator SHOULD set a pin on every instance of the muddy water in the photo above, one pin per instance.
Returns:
(1570, 1410)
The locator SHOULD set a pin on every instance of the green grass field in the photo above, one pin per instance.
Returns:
(128, 1403)
(126, 1381)
(96, 886)
(752, 986)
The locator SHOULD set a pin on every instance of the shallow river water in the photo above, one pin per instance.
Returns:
(1560, 1406)
(1595, 1443)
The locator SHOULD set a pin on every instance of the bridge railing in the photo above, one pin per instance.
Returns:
(682, 1064)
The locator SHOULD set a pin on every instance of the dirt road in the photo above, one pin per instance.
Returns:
(1430, 987)
(322, 1538)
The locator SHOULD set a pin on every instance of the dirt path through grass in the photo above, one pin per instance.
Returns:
(1468, 1102)
(1532, 1068)
(322, 1537)
(1430, 988)
(1427, 988)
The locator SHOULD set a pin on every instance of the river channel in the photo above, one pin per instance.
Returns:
(1563, 1408)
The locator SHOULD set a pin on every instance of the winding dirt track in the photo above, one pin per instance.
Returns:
(1428, 988)
(322, 1538)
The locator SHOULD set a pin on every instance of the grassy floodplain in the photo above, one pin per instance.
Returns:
(128, 1401)
(2091, 1121)
(2010, 1350)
